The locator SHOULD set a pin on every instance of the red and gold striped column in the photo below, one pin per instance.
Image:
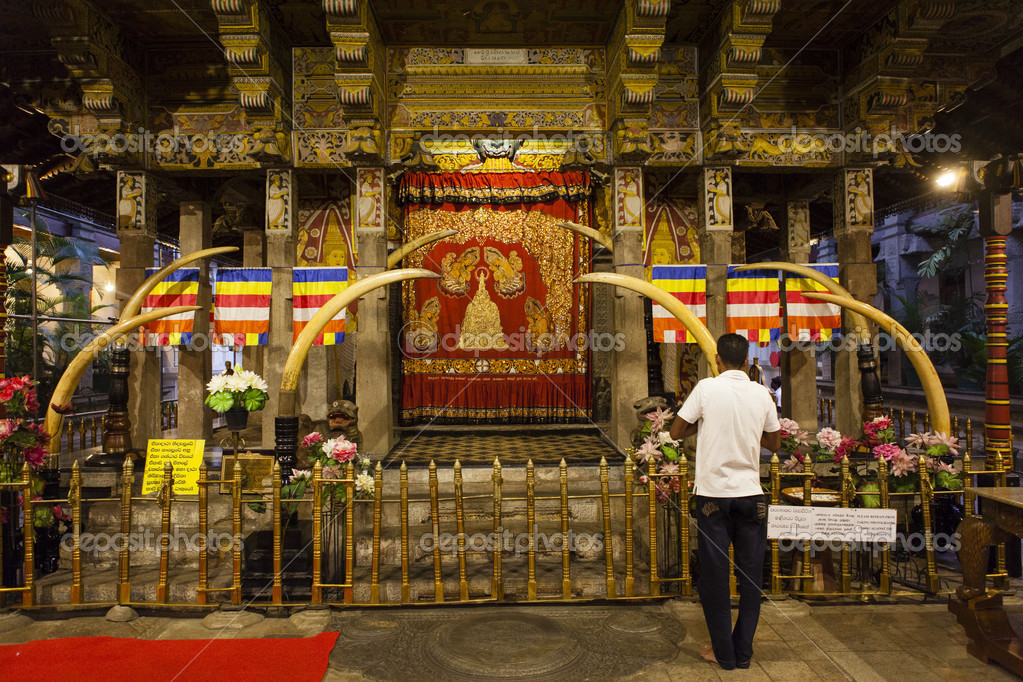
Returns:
(996, 413)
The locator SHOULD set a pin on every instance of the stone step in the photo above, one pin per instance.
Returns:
(100, 585)
(105, 515)
(103, 549)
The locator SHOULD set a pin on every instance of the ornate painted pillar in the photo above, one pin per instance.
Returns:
(195, 360)
(373, 349)
(854, 225)
(798, 366)
(717, 228)
(629, 367)
(136, 381)
(281, 228)
(995, 224)
(253, 256)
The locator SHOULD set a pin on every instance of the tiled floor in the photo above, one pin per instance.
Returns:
(480, 448)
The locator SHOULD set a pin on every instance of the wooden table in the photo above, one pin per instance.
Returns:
(978, 609)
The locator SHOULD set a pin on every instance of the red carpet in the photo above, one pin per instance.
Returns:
(108, 659)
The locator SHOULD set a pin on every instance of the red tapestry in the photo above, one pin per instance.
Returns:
(501, 335)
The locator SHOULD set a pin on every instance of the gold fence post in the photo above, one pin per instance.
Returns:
(848, 491)
(807, 575)
(75, 499)
(29, 593)
(629, 578)
(378, 496)
(93, 431)
(166, 495)
(316, 592)
(497, 586)
(406, 592)
(81, 433)
(124, 556)
(902, 423)
(236, 529)
(605, 508)
(927, 500)
(1001, 577)
(969, 436)
(349, 592)
(969, 498)
(886, 553)
(651, 487)
(278, 589)
(463, 581)
(531, 530)
(684, 520)
(912, 421)
(438, 576)
(204, 528)
(775, 499)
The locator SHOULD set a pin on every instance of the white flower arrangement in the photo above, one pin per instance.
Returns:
(242, 389)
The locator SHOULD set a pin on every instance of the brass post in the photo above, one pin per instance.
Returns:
(166, 495)
(81, 433)
(124, 556)
(29, 593)
(969, 498)
(278, 591)
(775, 558)
(902, 423)
(605, 508)
(316, 592)
(497, 588)
(406, 592)
(684, 521)
(94, 430)
(629, 475)
(349, 532)
(174, 414)
(236, 528)
(912, 421)
(463, 581)
(378, 496)
(886, 553)
(955, 426)
(927, 500)
(1001, 579)
(531, 530)
(847, 492)
(927, 422)
(807, 574)
(75, 498)
(969, 436)
(70, 437)
(651, 487)
(204, 528)
(438, 578)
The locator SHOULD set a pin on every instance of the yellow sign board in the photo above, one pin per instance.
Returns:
(185, 457)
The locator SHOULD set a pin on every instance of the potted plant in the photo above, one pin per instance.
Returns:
(235, 393)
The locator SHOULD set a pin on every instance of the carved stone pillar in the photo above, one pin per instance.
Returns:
(853, 226)
(629, 368)
(716, 233)
(195, 361)
(798, 367)
(373, 349)
(281, 225)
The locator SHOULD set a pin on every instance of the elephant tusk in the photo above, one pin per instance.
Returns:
(589, 232)
(670, 303)
(397, 256)
(134, 304)
(300, 349)
(936, 402)
(860, 324)
(71, 377)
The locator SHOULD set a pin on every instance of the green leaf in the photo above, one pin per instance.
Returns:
(947, 481)
(670, 453)
(254, 399)
(872, 500)
(258, 507)
(221, 401)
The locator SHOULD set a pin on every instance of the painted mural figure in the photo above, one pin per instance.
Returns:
(456, 271)
(508, 279)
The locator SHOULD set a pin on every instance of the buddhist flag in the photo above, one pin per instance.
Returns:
(811, 320)
(687, 283)
(181, 287)
(753, 305)
(241, 306)
(312, 288)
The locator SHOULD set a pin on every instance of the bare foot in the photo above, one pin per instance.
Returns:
(707, 654)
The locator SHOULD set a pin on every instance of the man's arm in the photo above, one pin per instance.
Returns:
(680, 429)
(771, 441)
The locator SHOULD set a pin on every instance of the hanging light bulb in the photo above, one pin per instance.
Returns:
(109, 286)
(947, 178)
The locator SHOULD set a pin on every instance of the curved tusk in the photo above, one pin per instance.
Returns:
(134, 304)
(936, 403)
(71, 377)
(590, 233)
(670, 303)
(859, 322)
(397, 256)
(300, 349)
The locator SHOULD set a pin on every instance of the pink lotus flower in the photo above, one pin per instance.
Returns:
(903, 464)
(670, 468)
(889, 451)
(312, 439)
(951, 442)
(648, 449)
(918, 440)
(340, 449)
(793, 464)
(946, 467)
(35, 455)
(829, 439)
(659, 417)
(788, 426)
(332, 472)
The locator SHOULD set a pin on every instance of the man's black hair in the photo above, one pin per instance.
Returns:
(733, 350)
(776, 382)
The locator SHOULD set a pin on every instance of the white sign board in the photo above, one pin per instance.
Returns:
(830, 524)
(476, 55)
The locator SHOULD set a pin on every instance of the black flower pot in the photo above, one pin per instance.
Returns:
(237, 418)
(47, 549)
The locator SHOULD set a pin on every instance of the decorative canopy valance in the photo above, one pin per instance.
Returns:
(493, 188)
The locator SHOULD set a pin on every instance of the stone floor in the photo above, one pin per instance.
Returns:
(660, 641)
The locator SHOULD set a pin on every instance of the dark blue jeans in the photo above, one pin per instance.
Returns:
(741, 522)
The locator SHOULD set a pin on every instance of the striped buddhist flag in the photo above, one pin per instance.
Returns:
(241, 306)
(181, 287)
(753, 306)
(811, 320)
(312, 288)
(687, 283)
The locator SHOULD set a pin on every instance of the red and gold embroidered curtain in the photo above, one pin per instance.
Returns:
(496, 338)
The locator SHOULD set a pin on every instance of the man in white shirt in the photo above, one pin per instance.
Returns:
(734, 417)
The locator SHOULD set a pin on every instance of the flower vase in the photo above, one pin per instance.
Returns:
(237, 418)
(47, 550)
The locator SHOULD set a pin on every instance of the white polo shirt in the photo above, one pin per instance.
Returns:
(732, 413)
